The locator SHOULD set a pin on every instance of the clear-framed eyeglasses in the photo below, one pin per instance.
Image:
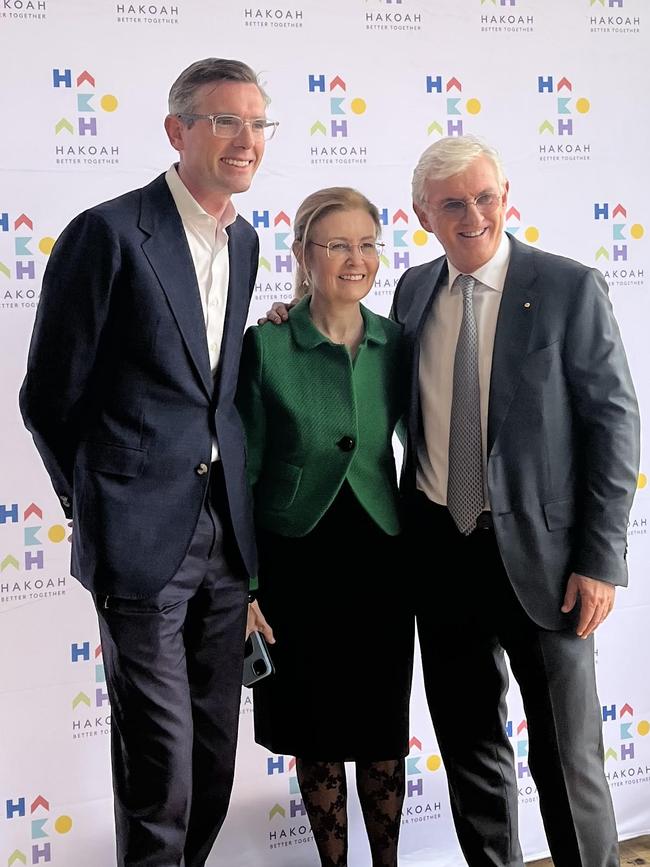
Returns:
(486, 203)
(343, 250)
(230, 125)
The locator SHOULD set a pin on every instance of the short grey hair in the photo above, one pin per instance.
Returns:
(212, 70)
(448, 157)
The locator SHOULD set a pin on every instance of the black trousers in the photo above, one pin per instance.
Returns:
(468, 616)
(173, 670)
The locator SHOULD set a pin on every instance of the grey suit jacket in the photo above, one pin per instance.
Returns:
(119, 394)
(563, 424)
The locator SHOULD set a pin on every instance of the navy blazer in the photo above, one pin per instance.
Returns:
(119, 394)
(563, 424)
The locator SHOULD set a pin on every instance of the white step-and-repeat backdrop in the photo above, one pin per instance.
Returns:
(360, 88)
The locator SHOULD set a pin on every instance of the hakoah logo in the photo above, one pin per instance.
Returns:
(289, 822)
(416, 807)
(274, 275)
(81, 120)
(561, 122)
(26, 538)
(91, 711)
(335, 123)
(565, 105)
(612, 23)
(453, 104)
(621, 733)
(395, 17)
(514, 226)
(37, 827)
(273, 16)
(20, 254)
(615, 255)
(24, 10)
(505, 19)
(146, 13)
(399, 242)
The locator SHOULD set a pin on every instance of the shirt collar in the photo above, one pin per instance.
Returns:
(493, 273)
(189, 209)
(307, 336)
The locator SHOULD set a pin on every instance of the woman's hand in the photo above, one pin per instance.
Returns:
(257, 623)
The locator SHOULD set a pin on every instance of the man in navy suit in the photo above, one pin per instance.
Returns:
(129, 396)
(520, 468)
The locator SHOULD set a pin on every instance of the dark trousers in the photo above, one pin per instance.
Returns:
(468, 616)
(173, 670)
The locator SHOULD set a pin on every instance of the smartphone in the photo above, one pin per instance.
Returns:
(257, 660)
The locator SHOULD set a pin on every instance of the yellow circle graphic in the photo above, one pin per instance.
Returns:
(108, 102)
(642, 481)
(531, 234)
(473, 106)
(45, 245)
(358, 105)
(637, 231)
(56, 533)
(433, 763)
(63, 824)
(643, 727)
(583, 105)
(420, 237)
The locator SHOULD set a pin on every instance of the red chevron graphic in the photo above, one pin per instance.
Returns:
(626, 709)
(415, 742)
(454, 82)
(282, 218)
(619, 209)
(39, 801)
(85, 76)
(23, 220)
(564, 82)
(513, 212)
(337, 82)
(522, 725)
(32, 509)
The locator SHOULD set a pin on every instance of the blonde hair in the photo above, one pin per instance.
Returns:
(313, 209)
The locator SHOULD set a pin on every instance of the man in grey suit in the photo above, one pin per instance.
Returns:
(129, 395)
(520, 468)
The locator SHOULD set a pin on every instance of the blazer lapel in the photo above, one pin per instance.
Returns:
(168, 253)
(516, 318)
(236, 305)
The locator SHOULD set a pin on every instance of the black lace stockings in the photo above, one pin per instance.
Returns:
(381, 792)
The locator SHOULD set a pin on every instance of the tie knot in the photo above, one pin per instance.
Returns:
(465, 283)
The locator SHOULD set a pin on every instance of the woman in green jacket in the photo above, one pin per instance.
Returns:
(320, 398)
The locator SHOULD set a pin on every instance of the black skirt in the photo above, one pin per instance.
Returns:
(340, 605)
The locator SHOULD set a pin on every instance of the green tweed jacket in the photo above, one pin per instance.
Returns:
(315, 418)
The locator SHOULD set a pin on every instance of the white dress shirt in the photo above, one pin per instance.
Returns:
(436, 372)
(208, 243)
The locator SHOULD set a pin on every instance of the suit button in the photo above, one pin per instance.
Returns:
(346, 444)
(202, 469)
(65, 501)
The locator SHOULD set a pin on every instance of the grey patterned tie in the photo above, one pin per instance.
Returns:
(465, 482)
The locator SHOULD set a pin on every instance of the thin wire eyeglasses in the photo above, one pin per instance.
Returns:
(486, 203)
(230, 125)
(341, 249)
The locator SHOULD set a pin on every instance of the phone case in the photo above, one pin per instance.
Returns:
(257, 661)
